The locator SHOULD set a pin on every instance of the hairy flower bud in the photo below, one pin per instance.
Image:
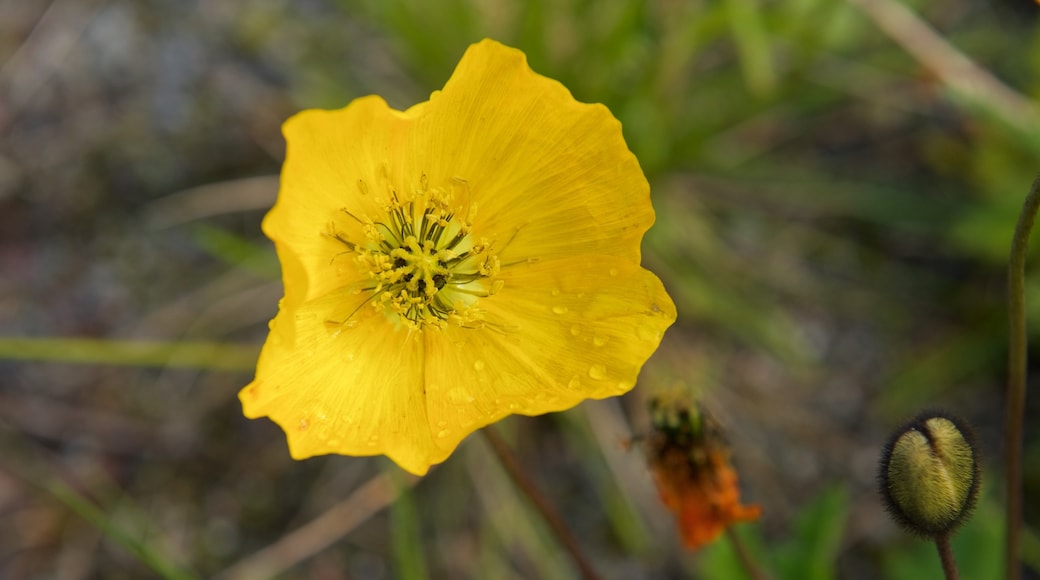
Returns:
(929, 475)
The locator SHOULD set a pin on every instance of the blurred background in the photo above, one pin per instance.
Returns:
(836, 186)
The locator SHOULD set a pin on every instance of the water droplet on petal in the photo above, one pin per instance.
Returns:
(442, 424)
(574, 383)
(303, 425)
(478, 365)
(613, 272)
(598, 372)
(559, 309)
(599, 340)
(575, 330)
(276, 339)
(513, 406)
(555, 291)
(333, 442)
(648, 333)
(443, 433)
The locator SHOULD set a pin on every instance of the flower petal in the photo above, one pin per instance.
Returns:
(353, 389)
(558, 332)
(552, 171)
(335, 161)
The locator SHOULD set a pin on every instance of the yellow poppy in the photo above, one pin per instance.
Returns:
(474, 256)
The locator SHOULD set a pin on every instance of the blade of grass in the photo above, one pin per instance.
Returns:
(749, 33)
(214, 356)
(96, 516)
(409, 559)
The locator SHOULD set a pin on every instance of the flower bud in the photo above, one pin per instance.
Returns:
(929, 476)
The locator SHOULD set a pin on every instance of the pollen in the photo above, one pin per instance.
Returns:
(421, 265)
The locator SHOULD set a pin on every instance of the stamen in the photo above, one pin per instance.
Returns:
(418, 277)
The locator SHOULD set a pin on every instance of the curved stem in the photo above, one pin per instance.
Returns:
(752, 569)
(563, 534)
(1016, 392)
(949, 565)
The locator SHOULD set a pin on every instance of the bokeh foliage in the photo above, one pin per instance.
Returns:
(833, 220)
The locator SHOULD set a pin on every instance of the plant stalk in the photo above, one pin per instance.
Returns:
(1016, 392)
(949, 564)
(552, 517)
(752, 569)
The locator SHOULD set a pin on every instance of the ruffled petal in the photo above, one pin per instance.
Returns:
(336, 162)
(550, 175)
(353, 389)
(557, 333)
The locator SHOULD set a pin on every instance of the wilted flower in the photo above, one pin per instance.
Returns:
(474, 256)
(690, 462)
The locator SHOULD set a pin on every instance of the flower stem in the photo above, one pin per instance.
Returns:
(752, 569)
(949, 564)
(512, 466)
(1016, 393)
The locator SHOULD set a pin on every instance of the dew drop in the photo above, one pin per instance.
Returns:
(613, 272)
(559, 309)
(599, 340)
(574, 383)
(513, 406)
(555, 291)
(323, 435)
(334, 442)
(276, 339)
(443, 433)
(598, 372)
(304, 424)
(648, 333)
(478, 365)
(442, 424)
(497, 286)
(575, 330)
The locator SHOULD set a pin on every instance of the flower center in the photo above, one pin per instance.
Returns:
(420, 260)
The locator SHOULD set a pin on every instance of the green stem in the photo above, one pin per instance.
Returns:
(1016, 393)
(752, 569)
(949, 565)
(512, 466)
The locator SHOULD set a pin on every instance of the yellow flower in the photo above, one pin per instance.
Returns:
(474, 256)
